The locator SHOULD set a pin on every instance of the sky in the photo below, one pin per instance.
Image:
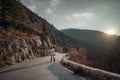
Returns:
(101, 15)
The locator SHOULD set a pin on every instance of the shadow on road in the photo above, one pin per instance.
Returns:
(62, 73)
(23, 67)
(56, 70)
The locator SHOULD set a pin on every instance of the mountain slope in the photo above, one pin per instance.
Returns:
(90, 36)
(107, 48)
(25, 35)
(99, 41)
(25, 21)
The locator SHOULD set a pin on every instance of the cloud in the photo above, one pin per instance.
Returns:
(80, 16)
(37, 5)
(86, 14)
(53, 6)
(68, 17)
(48, 10)
(33, 8)
(44, 6)
(80, 20)
(55, 3)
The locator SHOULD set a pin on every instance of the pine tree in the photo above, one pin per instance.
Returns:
(45, 30)
(8, 6)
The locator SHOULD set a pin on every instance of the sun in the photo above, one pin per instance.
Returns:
(110, 32)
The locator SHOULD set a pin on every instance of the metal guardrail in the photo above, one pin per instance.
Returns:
(94, 73)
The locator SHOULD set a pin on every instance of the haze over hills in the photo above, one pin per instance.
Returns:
(91, 36)
(98, 41)
(106, 48)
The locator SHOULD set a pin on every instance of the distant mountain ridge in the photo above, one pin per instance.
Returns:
(106, 48)
(91, 36)
(98, 41)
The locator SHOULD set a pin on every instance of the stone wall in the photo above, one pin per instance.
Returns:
(94, 73)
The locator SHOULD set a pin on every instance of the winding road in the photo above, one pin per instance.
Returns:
(39, 69)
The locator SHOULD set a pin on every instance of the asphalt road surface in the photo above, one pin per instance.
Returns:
(38, 69)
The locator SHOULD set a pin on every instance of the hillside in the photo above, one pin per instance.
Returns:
(91, 36)
(107, 49)
(100, 40)
(24, 35)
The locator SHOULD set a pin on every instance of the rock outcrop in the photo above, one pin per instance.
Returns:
(17, 49)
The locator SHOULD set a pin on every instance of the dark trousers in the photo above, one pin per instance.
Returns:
(52, 57)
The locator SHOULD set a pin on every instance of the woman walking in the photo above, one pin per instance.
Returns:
(52, 53)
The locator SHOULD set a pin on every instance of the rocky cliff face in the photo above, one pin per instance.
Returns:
(17, 49)
(23, 34)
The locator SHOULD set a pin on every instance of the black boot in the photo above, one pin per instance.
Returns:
(54, 59)
(51, 59)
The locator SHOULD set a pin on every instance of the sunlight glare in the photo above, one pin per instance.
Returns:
(110, 32)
